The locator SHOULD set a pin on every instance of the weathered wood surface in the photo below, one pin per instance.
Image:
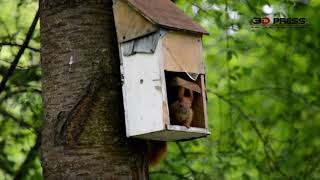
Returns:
(129, 23)
(145, 99)
(166, 14)
(143, 93)
(204, 101)
(175, 132)
(200, 118)
(187, 84)
(183, 53)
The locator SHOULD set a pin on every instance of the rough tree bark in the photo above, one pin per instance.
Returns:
(83, 134)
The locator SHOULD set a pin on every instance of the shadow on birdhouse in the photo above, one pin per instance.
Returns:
(163, 71)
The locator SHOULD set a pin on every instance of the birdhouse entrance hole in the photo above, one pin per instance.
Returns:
(193, 93)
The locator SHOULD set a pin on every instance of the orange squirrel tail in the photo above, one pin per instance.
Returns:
(156, 151)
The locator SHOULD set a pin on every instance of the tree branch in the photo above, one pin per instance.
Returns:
(20, 67)
(18, 121)
(258, 132)
(183, 153)
(249, 91)
(19, 91)
(18, 45)
(200, 8)
(20, 53)
(32, 154)
(180, 176)
(313, 165)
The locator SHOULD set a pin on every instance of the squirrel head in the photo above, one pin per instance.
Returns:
(185, 96)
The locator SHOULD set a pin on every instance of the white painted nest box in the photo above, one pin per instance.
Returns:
(163, 72)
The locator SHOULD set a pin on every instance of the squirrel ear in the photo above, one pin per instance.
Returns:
(181, 92)
(191, 94)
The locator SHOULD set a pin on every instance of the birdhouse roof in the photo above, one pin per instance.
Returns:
(166, 14)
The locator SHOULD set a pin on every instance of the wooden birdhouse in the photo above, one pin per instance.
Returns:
(163, 71)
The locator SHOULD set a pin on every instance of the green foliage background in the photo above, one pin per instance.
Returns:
(262, 88)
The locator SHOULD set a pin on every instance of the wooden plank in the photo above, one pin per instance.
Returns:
(184, 129)
(166, 116)
(198, 107)
(204, 100)
(175, 133)
(184, 83)
(183, 53)
(126, 117)
(129, 23)
(142, 93)
(165, 105)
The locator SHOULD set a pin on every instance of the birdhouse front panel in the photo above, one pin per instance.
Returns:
(143, 93)
(163, 72)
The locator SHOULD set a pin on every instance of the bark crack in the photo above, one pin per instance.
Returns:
(70, 124)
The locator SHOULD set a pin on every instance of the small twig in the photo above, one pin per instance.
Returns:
(311, 166)
(18, 121)
(256, 129)
(6, 168)
(32, 154)
(200, 8)
(169, 173)
(181, 150)
(22, 67)
(20, 53)
(19, 91)
(248, 91)
(18, 45)
(185, 156)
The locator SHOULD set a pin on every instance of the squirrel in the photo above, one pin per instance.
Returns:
(181, 111)
(156, 151)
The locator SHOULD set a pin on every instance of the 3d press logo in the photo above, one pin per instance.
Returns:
(267, 22)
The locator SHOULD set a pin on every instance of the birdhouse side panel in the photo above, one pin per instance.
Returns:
(129, 23)
(143, 94)
(183, 53)
(200, 118)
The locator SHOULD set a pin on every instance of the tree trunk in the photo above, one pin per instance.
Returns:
(83, 134)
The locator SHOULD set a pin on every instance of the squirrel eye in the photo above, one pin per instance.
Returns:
(187, 93)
